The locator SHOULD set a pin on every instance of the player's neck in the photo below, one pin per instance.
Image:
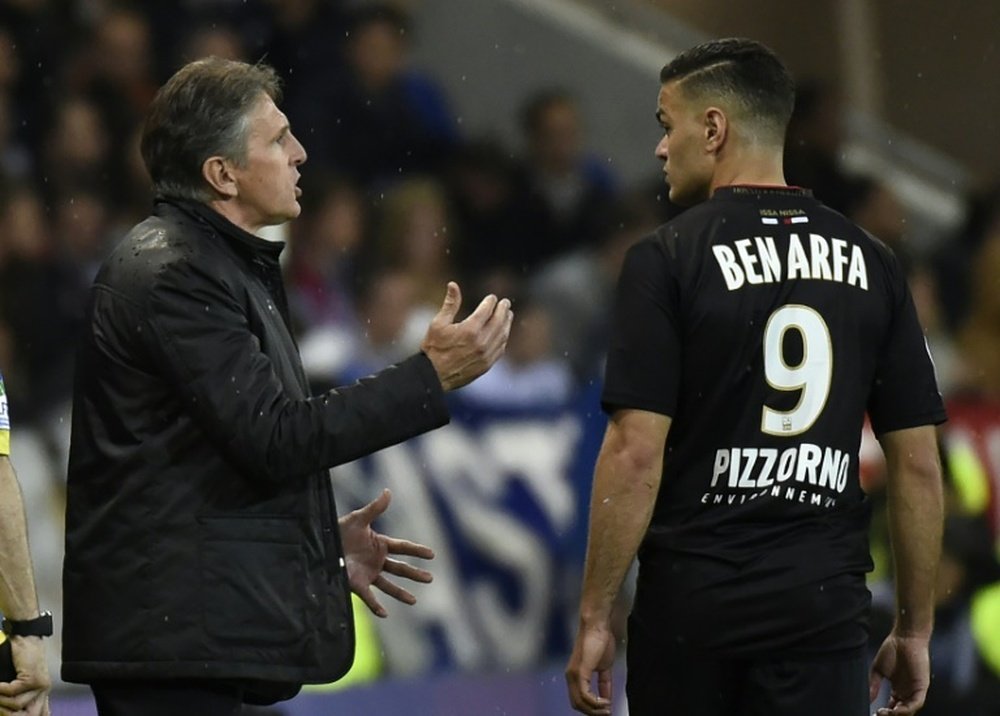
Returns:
(750, 167)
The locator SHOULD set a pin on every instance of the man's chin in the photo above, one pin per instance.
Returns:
(293, 212)
(679, 198)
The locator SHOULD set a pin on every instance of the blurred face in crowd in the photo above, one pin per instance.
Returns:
(340, 224)
(23, 228)
(123, 47)
(263, 190)
(425, 244)
(80, 138)
(390, 301)
(687, 165)
(215, 42)
(532, 341)
(378, 53)
(558, 137)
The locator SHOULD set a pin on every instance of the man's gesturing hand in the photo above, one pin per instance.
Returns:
(366, 553)
(461, 352)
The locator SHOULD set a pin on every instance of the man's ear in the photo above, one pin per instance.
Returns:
(217, 172)
(716, 129)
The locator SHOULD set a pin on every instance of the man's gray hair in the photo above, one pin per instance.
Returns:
(202, 111)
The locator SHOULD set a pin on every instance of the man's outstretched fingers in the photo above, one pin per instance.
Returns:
(484, 311)
(394, 590)
(402, 569)
(449, 308)
(373, 604)
(408, 548)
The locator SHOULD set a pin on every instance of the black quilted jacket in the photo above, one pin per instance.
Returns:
(201, 531)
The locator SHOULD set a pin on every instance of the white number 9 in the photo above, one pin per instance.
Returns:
(812, 376)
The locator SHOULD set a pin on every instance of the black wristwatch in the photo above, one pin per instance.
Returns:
(39, 626)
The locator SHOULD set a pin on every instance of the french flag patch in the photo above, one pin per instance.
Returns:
(773, 221)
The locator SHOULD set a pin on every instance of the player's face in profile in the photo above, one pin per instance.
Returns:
(686, 164)
(267, 181)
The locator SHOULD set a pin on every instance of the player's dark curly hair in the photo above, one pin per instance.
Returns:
(742, 70)
(202, 111)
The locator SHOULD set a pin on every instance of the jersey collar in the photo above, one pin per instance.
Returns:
(760, 190)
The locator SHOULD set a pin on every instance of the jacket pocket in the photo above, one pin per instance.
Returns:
(253, 579)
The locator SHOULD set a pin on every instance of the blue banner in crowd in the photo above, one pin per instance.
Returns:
(501, 496)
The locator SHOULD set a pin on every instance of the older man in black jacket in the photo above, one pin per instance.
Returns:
(204, 564)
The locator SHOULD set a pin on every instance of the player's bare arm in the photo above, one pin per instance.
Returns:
(626, 482)
(916, 511)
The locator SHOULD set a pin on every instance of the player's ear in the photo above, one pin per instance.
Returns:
(716, 129)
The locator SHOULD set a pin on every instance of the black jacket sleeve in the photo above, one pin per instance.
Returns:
(199, 335)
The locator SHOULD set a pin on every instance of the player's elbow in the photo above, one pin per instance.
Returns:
(635, 441)
(912, 455)
(639, 458)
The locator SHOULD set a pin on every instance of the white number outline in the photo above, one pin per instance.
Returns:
(773, 422)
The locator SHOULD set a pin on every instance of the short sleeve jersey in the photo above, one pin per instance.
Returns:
(4, 421)
(766, 325)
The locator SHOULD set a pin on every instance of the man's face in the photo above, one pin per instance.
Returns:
(266, 183)
(558, 138)
(687, 165)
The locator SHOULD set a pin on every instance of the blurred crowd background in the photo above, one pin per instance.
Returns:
(398, 199)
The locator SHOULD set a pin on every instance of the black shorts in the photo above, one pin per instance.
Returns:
(663, 680)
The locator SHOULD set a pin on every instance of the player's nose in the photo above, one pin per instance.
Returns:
(661, 149)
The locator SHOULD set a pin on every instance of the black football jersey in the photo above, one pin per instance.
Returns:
(765, 325)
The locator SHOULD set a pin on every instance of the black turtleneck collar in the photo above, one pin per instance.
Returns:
(205, 214)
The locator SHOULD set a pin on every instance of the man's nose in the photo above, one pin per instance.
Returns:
(299, 155)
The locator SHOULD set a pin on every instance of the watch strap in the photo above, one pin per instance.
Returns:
(39, 626)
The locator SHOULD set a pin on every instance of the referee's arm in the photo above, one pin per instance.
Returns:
(18, 600)
(916, 508)
(626, 482)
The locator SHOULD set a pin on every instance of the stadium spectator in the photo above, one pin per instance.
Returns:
(416, 234)
(386, 306)
(78, 148)
(564, 190)
(813, 144)
(531, 375)
(322, 274)
(358, 128)
(482, 184)
(37, 305)
(578, 288)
